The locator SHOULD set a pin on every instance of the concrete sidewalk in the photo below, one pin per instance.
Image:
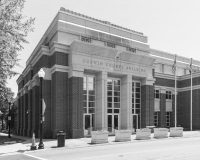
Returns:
(74, 143)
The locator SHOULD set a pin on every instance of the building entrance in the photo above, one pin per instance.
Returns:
(113, 123)
(135, 123)
(87, 124)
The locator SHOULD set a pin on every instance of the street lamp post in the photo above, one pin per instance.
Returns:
(9, 119)
(41, 75)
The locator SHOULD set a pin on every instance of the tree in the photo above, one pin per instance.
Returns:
(6, 94)
(13, 32)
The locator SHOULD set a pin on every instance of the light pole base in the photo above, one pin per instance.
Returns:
(41, 145)
(33, 147)
(9, 136)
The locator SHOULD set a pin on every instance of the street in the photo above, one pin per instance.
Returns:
(156, 149)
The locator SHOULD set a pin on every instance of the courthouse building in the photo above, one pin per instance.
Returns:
(101, 76)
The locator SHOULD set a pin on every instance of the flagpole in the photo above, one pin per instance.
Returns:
(191, 96)
(175, 93)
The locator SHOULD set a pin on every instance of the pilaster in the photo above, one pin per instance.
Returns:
(126, 102)
(76, 107)
(101, 101)
(147, 102)
(162, 113)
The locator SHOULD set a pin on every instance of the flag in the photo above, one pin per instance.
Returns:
(43, 108)
(174, 65)
(190, 67)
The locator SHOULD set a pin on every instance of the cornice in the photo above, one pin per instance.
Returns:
(165, 76)
(59, 68)
(19, 79)
(59, 47)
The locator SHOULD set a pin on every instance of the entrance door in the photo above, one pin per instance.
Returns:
(135, 122)
(87, 124)
(113, 123)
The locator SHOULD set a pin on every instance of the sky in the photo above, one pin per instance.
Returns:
(171, 26)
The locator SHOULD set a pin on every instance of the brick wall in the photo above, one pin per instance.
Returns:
(29, 128)
(183, 109)
(44, 61)
(164, 82)
(147, 106)
(46, 90)
(35, 111)
(162, 113)
(196, 109)
(18, 115)
(25, 115)
(21, 115)
(76, 106)
(59, 58)
(60, 103)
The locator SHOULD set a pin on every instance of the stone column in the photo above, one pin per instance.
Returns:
(162, 113)
(147, 102)
(126, 102)
(101, 101)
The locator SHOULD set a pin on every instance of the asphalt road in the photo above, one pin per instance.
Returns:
(160, 149)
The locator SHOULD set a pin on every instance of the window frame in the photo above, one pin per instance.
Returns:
(156, 119)
(155, 93)
(168, 95)
(113, 108)
(167, 118)
(88, 95)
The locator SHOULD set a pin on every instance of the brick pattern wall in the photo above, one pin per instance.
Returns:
(183, 109)
(147, 106)
(29, 129)
(76, 106)
(180, 84)
(59, 58)
(164, 82)
(18, 115)
(46, 90)
(44, 61)
(196, 109)
(21, 115)
(162, 113)
(60, 103)
(20, 86)
(187, 82)
(25, 115)
(35, 111)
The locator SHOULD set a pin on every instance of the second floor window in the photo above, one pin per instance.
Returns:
(156, 94)
(168, 95)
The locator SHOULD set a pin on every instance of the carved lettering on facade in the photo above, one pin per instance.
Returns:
(113, 65)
